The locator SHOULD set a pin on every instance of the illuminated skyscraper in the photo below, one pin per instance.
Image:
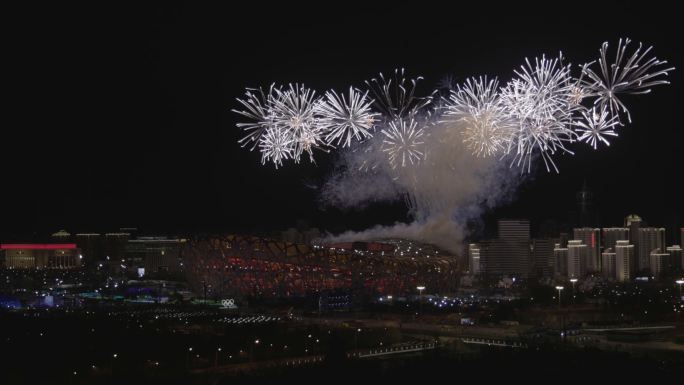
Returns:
(514, 229)
(560, 255)
(505, 257)
(608, 264)
(474, 258)
(624, 253)
(659, 263)
(650, 238)
(542, 257)
(613, 234)
(590, 237)
(578, 255)
(676, 257)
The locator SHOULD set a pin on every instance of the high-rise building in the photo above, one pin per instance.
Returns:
(542, 257)
(505, 257)
(578, 255)
(676, 257)
(474, 258)
(633, 223)
(590, 237)
(650, 238)
(660, 263)
(613, 234)
(560, 255)
(632, 218)
(514, 229)
(624, 253)
(608, 264)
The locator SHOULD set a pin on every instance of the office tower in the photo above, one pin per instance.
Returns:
(624, 254)
(474, 258)
(633, 223)
(560, 255)
(659, 263)
(578, 255)
(514, 229)
(676, 257)
(542, 257)
(590, 237)
(650, 238)
(505, 257)
(608, 264)
(613, 234)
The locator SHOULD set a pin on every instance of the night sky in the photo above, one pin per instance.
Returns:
(121, 116)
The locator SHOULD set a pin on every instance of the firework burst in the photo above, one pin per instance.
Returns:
(345, 119)
(275, 145)
(258, 109)
(294, 112)
(395, 96)
(624, 76)
(403, 142)
(596, 124)
(486, 128)
(538, 114)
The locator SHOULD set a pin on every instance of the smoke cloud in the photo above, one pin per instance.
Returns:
(450, 187)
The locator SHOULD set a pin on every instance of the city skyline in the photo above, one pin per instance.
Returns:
(393, 193)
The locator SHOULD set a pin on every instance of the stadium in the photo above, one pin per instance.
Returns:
(254, 267)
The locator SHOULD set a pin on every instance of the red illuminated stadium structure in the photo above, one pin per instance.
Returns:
(246, 266)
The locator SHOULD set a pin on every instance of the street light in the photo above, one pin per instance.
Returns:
(680, 282)
(574, 281)
(218, 350)
(559, 288)
(420, 298)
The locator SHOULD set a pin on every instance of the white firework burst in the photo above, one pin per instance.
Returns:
(578, 91)
(539, 101)
(276, 145)
(537, 114)
(294, 111)
(624, 76)
(258, 108)
(596, 124)
(544, 137)
(346, 118)
(546, 88)
(403, 142)
(395, 97)
(486, 128)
